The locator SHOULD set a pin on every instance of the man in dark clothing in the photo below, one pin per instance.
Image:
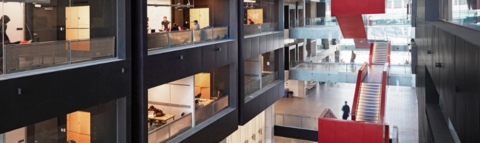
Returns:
(346, 111)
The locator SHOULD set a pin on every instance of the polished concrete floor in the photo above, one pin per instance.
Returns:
(401, 107)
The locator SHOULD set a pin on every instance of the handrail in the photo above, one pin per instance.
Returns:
(384, 91)
(389, 51)
(371, 54)
(362, 73)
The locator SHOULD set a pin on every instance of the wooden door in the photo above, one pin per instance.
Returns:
(202, 15)
(78, 127)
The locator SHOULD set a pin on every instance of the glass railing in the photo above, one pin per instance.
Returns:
(22, 57)
(325, 72)
(296, 121)
(211, 109)
(386, 19)
(170, 130)
(252, 29)
(316, 21)
(269, 77)
(466, 18)
(173, 39)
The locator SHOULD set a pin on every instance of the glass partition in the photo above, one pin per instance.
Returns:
(259, 72)
(44, 33)
(461, 12)
(95, 124)
(296, 121)
(260, 16)
(186, 22)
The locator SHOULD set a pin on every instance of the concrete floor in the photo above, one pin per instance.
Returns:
(401, 107)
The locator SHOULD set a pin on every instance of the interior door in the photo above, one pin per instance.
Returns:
(78, 127)
(202, 15)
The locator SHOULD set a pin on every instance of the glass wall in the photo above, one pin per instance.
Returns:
(180, 105)
(45, 33)
(259, 72)
(463, 12)
(97, 124)
(260, 16)
(186, 22)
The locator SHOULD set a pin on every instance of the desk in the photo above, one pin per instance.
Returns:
(205, 103)
(163, 118)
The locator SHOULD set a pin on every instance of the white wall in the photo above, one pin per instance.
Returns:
(245, 132)
(15, 11)
(156, 14)
(298, 87)
(176, 92)
(16, 135)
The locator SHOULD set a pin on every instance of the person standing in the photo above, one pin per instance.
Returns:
(346, 111)
(197, 27)
(352, 59)
(165, 24)
(250, 22)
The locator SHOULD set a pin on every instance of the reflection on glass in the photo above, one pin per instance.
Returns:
(259, 72)
(55, 33)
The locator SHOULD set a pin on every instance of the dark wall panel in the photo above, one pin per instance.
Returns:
(471, 94)
(247, 50)
(232, 52)
(255, 45)
(221, 54)
(460, 83)
(208, 57)
(263, 44)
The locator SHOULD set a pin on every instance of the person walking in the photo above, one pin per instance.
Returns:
(352, 59)
(346, 111)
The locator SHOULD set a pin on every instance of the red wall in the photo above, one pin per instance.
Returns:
(343, 131)
(353, 7)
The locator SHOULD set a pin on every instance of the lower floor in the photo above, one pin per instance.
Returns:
(401, 108)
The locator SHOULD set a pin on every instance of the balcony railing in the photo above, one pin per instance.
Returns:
(252, 29)
(22, 57)
(171, 130)
(296, 121)
(210, 110)
(174, 39)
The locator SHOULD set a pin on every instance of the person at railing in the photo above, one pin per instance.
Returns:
(352, 58)
(175, 27)
(197, 26)
(165, 23)
(346, 111)
(250, 21)
(198, 105)
(3, 27)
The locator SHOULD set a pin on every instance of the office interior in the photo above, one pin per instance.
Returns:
(97, 124)
(186, 103)
(44, 33)
(171, 23)
(260, 16)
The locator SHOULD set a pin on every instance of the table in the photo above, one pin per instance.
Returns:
(205, 103)
(163, 118)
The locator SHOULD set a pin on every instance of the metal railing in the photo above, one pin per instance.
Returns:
(252, 29)
(211, 109)
(296, 121)
(22, 57)
(466, 18)
(173, 39)
(170, 130)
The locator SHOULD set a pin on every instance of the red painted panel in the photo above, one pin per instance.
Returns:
(370, 134)
(356, 133)
(329, 134)
(320, 130)
(342, 127)
(352, 26)
(371, 54)
(354, 7)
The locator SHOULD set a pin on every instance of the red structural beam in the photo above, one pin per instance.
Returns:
(352, 26)
(357, 7)
(389, 51)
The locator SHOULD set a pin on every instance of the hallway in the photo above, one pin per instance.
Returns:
(401, 107)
